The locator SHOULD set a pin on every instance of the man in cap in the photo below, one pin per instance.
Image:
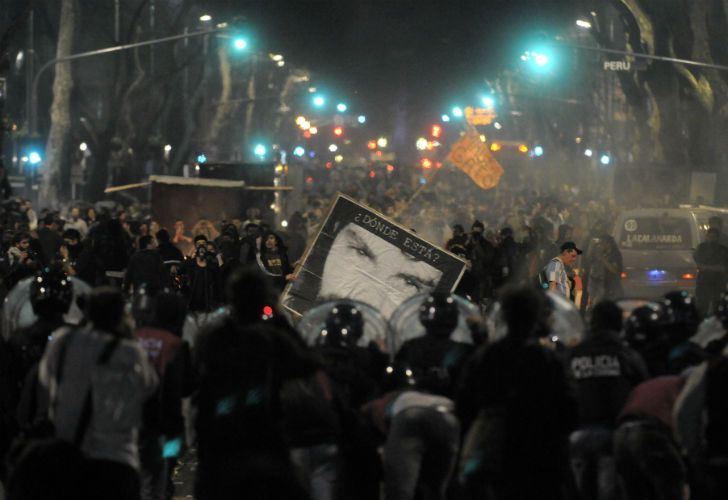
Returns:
(558, 278)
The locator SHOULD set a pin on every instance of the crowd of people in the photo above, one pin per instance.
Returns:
(105, 408)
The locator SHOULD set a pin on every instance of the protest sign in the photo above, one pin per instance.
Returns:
(363, 255)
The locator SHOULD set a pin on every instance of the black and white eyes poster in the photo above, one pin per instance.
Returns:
(362, 255)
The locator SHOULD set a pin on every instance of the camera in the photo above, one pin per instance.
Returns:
(203, 253)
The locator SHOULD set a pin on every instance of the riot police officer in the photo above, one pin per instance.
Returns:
(435, 358)
(644, 332)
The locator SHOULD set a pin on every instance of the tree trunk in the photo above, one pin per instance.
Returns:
(224, 105)
(250, 106)
(58, 145)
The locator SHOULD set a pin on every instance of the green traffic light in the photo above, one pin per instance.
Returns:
(240, 43)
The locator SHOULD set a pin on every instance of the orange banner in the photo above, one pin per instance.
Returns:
(472, 156)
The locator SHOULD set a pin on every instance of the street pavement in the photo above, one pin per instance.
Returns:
(184, 476)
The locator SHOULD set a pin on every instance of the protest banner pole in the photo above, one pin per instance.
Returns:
(417, 193)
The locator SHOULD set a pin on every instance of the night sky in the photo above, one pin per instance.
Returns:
(384, 53)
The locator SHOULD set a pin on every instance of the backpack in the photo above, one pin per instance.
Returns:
(38, 451)
(541, 280)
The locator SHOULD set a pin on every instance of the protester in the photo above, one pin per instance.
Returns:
(556, 270)
(96, 379)
(272, 259)
(203, 277)
(422, 435)
(76, 222)
(241, 367)
(22, 260)
(145, 267)
(162, 437)
(50, 239)
(648, 460)
(517, 409)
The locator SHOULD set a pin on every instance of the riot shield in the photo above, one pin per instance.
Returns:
(18, 313)
(405, 321)
(312, 325)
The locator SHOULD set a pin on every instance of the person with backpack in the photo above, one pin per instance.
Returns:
(162, 436)
(96, 380)
(556, 274)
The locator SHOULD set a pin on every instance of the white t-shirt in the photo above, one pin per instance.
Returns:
(556, 272)
(129, 369)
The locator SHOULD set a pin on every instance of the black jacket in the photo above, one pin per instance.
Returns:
(603, 372)
(436, 362)
(527, 383)
(241, 370)
(146, 267)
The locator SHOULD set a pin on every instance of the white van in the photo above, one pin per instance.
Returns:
(657, 246)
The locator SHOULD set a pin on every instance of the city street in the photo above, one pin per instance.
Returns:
(366, 249)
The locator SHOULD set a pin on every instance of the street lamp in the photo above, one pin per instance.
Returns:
(240, 43)
(583, 24)
(319, 101)
(205, 18)
(457, 112)
(341, 107)
(34, 158)
(33, 111)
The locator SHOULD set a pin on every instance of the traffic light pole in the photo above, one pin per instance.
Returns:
(33, 111)
(642, 55)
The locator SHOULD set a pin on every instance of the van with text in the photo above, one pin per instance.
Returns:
(657, 246)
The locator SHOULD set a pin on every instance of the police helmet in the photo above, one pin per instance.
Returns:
(51, 291)
(344, 325)
(439, 313)
(644, 326)
(398, 376)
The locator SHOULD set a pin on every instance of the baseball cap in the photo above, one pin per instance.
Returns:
(570, 245)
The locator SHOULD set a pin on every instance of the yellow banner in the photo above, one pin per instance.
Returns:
(472, 156)
(479, 116)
